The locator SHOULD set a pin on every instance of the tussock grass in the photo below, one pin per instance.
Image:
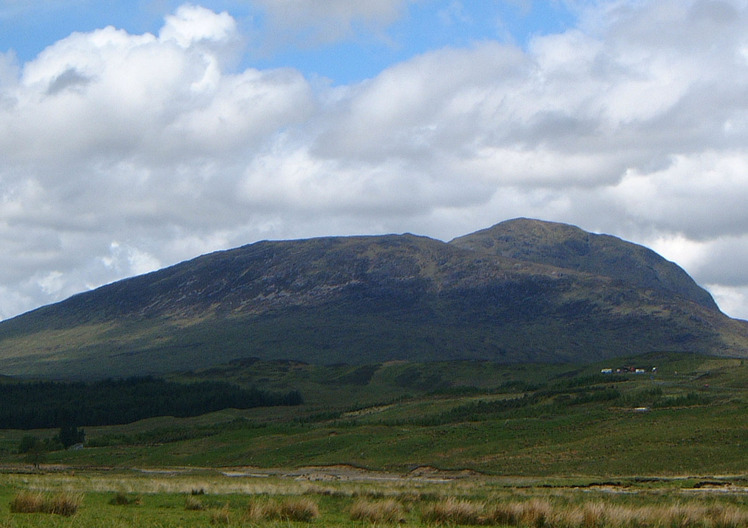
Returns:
(593, 515)
(274, 502)
(27, 502)
(122, 499)
(298, 510)
(63, 503)
(454, 511)
(221, 515)
(537, 513)
(304, 510)
(505, 514)
(192, 503)
(729, 517)
(386, 511)
(675, 516)
(541, 513)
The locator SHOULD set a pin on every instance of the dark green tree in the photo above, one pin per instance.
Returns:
(70, 435)
(28, 443)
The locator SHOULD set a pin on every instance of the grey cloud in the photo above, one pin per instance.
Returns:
(67, 79)
(714, 15)
(726, 262)
(689, 26)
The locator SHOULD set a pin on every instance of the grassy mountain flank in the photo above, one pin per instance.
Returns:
(519, 292)
(566, 246)
(685, 417)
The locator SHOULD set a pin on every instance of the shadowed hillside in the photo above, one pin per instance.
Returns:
(522, 291)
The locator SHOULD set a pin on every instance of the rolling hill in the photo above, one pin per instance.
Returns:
(521, 291)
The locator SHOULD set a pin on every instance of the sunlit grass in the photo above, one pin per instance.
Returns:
(542, 513)
(376, 512)
(166, 500)
(61, 503)
(301, 509)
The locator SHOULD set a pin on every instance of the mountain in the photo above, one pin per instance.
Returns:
(570, 247)
(521, 291)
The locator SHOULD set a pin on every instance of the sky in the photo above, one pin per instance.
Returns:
(137, 134)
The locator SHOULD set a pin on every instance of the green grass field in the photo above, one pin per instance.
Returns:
(689, 417)
(209, 498)
(413, 444)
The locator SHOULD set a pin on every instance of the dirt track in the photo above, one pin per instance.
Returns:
(343, 472)
(729, 484)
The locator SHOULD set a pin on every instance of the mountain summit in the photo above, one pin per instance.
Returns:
(521, 291)
(570, 247)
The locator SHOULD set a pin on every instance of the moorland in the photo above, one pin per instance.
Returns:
(529, 375)
(426, 442)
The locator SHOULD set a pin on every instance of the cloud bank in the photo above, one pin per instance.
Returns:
(123, 153)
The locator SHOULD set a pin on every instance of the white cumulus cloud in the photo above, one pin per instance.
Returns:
(125, 152)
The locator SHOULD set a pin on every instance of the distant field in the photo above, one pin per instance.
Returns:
(687, 417)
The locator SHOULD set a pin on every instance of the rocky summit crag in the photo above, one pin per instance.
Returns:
(521, 291)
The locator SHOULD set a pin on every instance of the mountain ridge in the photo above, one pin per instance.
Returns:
(501, 294)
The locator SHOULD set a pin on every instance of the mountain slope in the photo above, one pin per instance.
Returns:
(570, 247)
(373, 299)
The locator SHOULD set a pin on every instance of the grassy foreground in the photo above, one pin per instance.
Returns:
(209, 498)
(412, 444)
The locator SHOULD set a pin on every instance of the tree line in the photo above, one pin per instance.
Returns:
(46, 404)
